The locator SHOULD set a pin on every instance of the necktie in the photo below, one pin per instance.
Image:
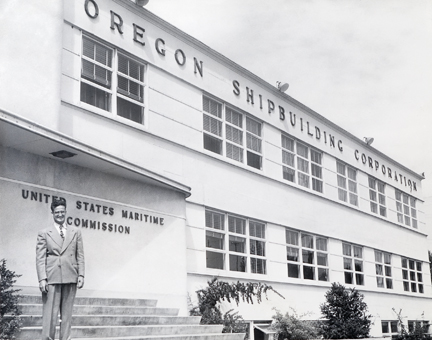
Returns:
(61, 231)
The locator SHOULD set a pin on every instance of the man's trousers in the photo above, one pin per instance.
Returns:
(60, 298)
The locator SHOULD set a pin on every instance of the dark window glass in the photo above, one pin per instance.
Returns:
(293, 270)
(214, 260)
(212, 144)
(129, 110)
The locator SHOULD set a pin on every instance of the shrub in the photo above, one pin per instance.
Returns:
(291, 327)
(418, 331)
(10, 321)
(217, 291)
(345, 314)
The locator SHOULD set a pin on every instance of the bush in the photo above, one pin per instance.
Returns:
(10, 321)
(291, 327)
(418, 331)
(218, 291)
(345, 314)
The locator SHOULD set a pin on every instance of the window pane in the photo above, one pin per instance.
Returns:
(233, 117)
(253, 126)
(214, 260)
(237, 263)
(256, 229)
(348, 277)
(303, 180)
(322, 259)
(358, 265)
(379, 269)
(359, 279)
(234, 152)
(380, 282)
(292, 254)
(358, 252)
(394, 327)
(288, 158)
(323, 274)
(321, 244)
(347, 264)
(287, 143)
(130, 111)
(212, 144)
(293, 270)
(257, 247)
(288, 174)
(307, 241)
(291, 237)
(237, 244)
(212, 107)
(346, 249)
(378, 256)
(236, 225)
(340, 168)
(95, 97)
(258, 266)
(302, 150)
(214, 220)
(308, 256)
(254, 160)
(384, 327)
(308, 273)
(214, 240)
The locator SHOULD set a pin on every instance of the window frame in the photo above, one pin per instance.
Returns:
(383, 269)
(246, 150)
(354, 261)
(412, 276)
(307, 265)
(406, 209)
(113, 93)
(294, 163)
(377, 198)
(241, 242)
(345, 190)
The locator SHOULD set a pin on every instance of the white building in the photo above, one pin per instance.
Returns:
(185, 166)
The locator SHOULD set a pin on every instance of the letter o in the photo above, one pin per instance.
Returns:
(364, 158)
(180, 62)
(95, 9)
(77, 222)
(383, 169)
(120, 229)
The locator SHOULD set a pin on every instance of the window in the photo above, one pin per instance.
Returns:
(383, 270)
(347, 183)
(389, 328)
(239, 247)
(353, 264)
(412, 275)
(377, 197)
(306, 256)
(112, 81)
(241, 140)
(301, 164)
(406, 209)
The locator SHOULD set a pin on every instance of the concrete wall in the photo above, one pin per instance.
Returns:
(134, 255)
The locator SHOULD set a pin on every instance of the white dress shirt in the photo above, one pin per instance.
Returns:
(64, 228)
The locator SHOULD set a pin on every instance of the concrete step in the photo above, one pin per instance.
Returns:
(95, 301)
(36, 309)
(109, 332)
(118, 320)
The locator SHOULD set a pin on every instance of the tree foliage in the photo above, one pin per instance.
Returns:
(291, 327)
(10, 321)
(345, 313)
(217, 291)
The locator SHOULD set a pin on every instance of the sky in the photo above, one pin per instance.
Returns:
(366, 65)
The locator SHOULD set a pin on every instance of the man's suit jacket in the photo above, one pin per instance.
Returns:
(59, 261)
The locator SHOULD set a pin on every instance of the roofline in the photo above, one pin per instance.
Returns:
(171, 29)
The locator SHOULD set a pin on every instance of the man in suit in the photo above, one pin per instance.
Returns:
(60, 270)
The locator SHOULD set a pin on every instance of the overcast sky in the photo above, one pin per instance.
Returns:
(366, 65)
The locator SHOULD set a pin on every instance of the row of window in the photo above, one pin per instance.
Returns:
(115, 82)
(225, 133)
(239, 244)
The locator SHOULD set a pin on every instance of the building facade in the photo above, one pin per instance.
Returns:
(180, 165)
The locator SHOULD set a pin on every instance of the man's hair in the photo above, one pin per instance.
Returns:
(57, 201)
